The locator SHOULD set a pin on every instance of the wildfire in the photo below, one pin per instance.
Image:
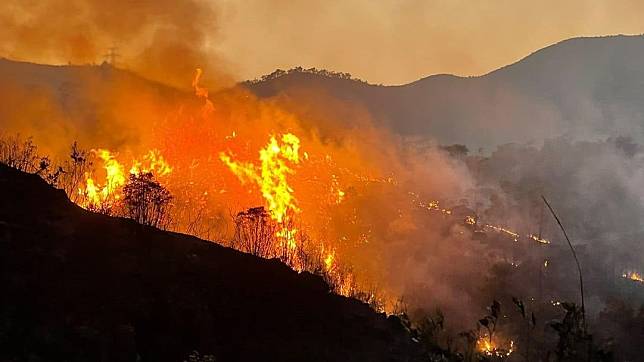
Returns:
(216, 162)
(271, 175)
(202, 92)
(335, 186)
(287, 234)
(105, 196)
(473, 221)
(512, 234)
(431, 205)
(634, 276)
(329, 260)
(538, 239)
(489, 347)
(98, 196)
(340, 197)
(153, 162)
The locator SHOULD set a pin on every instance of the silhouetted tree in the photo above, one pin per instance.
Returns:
(254, 232)
(490, 321)
(574, 344)
(20, 154)
(530, 321)
(146, 200)
(73, 171)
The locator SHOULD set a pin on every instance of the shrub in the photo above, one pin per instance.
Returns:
(254, 232)
(18, 153)
(146, 200)
(73, 172)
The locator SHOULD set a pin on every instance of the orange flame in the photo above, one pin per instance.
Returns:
(114, 178)
(99, 197)
(634, 276)
(155, 162)
(490, 348)
(271, 175)
(329, 261)
(202, 92)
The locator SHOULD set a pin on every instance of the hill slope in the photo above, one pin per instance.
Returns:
(79, 286)
(582, 87)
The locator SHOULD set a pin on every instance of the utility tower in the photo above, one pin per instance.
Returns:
(111, 56)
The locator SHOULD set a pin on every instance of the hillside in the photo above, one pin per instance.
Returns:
(79, 286)
(583, 87)
(78, 102)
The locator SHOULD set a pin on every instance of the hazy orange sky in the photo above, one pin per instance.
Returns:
(398, 41)
(381, 41)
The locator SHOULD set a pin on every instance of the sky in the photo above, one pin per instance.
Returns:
(395, 42)
(380, 41)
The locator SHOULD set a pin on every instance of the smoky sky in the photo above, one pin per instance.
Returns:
(399, 41)
(386, 41)
(163, 40)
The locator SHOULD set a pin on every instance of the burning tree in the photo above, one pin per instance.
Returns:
(107, 197)
(487, 345)
(146, 200)
(255, 232)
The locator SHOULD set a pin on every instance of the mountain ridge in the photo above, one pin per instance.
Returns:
(585, 88)
(580, 87)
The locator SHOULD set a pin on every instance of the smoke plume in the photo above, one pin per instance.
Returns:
(162, 40)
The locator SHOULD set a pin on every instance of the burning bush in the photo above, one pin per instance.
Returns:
(254, 232)
(146, 201)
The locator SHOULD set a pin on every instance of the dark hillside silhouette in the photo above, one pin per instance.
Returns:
(79, 286)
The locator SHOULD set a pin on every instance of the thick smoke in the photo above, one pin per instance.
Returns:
(162, 40)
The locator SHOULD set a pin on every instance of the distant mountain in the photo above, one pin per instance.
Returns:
(79, 286)
(582, 88)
